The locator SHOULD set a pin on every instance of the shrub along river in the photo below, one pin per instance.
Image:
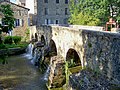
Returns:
(20, 74)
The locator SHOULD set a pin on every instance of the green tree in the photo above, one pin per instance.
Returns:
(114, 8)
(8, 17)
(93, 12)
(8, 24)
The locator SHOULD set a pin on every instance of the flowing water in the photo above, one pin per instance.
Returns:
(20, 74)
(47, 74)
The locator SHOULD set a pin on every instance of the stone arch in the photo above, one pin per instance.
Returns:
(43, 40)
(53, 48)
(73, 58)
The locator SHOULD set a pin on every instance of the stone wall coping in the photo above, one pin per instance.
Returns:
(95, 32)
(89, 31)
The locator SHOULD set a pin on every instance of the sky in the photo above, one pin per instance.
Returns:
(13, 1)
(29, 4)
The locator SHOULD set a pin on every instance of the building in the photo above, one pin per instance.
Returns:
(32, 5)
(52, 11)
(21, 16)
(35, 7)
(23, 2)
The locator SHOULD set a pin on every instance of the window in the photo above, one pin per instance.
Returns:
(46, 21)
(45, 1)
(57, 1)
(66, 1)
(56, 22)
(46, 11)
(66, 11)
(19, 22)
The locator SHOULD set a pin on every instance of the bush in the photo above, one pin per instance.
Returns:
(2, 46)
(8, 40)
(1, 41)
(17, 39)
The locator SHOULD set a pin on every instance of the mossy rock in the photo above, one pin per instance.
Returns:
(58, 81)
(76, 69)
(57, 88)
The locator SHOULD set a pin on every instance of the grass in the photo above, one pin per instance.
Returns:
(21, 45)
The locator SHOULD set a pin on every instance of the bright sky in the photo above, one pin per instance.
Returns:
(29, 4)
(13, 1)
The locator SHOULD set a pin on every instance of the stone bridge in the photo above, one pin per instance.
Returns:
(98, 50)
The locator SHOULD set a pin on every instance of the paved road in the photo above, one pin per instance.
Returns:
(20, 74)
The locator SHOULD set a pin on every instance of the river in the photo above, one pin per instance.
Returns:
(20, 74)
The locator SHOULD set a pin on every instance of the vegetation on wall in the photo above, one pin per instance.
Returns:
(93, 12)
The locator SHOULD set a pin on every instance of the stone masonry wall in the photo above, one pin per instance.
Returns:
(102, 53)
(97, 50)
(56, 11)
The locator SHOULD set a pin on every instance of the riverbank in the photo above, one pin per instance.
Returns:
(20, 74)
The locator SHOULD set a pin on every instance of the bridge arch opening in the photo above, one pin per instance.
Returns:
(53, 49)
(36, 37)
(72, 58)
(43, 40)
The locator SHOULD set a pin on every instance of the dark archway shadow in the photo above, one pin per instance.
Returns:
(72, 58)
(36, 37)
(52, 48)
(43, 40)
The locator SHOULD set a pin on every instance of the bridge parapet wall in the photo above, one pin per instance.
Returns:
(97, 50)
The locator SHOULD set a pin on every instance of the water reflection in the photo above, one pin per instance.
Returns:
(20, 74)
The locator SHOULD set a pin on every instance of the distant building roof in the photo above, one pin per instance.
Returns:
(15, 4)
(23, 1)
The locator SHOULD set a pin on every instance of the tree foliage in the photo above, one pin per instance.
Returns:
(8, 17)
(93, 12)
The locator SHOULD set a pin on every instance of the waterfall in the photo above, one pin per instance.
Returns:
(46, 75)
(35, 56)
(29, 51)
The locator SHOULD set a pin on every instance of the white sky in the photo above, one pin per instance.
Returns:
(13, 1)
(29, 4)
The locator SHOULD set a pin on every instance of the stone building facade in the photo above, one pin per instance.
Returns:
(35, 7)
(23, 2)
(21, 16)
(52, 11)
